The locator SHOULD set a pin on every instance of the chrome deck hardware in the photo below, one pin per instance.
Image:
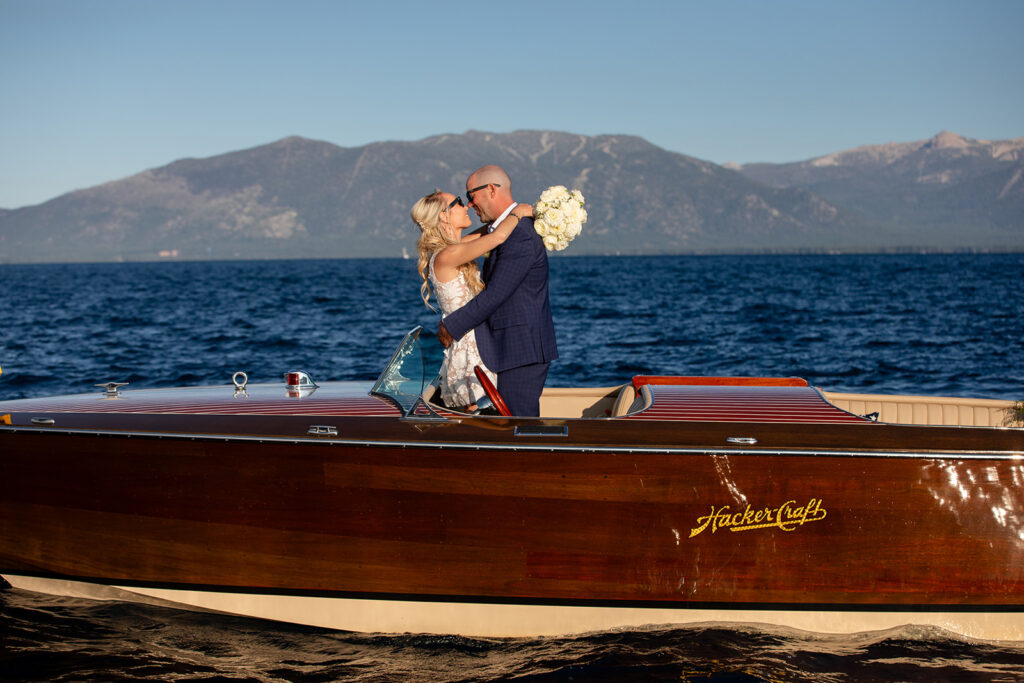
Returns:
(240, 379)
(111, 389)
(542, 430)
(296, 379)
(322, 430)
(299, 384)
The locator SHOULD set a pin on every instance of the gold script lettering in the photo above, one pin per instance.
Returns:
(786, 517)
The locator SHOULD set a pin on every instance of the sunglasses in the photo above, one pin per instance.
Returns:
(457, 200)
(469, 193)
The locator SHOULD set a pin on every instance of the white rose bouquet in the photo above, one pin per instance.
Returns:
(559, 216)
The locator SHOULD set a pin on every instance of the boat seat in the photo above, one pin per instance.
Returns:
(925, 410)
(564, 402)
(624, 400)
(432, 392)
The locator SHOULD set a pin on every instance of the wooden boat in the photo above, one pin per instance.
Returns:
(662, 500)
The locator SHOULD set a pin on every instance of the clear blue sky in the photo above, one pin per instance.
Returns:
(96, 90)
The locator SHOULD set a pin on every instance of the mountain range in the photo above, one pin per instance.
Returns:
(298, 198)
(944, 184)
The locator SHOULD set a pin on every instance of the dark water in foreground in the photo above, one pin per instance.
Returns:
(63, 639)
(930, 324)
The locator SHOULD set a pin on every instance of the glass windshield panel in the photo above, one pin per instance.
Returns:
(415, 364)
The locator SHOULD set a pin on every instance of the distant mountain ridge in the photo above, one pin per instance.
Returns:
(946, 182)
(304, 198)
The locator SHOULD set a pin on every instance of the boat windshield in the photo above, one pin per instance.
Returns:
(413, 367)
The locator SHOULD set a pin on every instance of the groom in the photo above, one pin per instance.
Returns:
(512, 315)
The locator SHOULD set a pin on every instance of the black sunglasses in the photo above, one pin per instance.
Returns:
(469, 193)
(457, 200)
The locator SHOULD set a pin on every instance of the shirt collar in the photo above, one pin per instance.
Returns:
(502, 217)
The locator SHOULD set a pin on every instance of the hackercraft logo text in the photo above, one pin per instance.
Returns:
(786, 517)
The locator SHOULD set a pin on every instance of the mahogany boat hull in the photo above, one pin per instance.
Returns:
(464, 527)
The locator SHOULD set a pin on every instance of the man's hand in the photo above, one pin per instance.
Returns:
(443, 336)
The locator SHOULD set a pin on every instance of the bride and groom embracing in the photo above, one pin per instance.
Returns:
(501, 322)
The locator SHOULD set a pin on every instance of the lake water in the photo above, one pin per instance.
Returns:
(949, 324)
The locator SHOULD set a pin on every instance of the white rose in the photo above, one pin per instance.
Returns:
(554, 217)
(551, 194)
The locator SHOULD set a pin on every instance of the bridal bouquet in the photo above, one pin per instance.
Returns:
(559, 216)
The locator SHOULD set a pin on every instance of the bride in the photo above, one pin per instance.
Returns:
(448, 268)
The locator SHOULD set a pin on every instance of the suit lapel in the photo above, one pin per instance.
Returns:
(485, 272)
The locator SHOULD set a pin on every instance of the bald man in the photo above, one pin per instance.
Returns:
(512, 316)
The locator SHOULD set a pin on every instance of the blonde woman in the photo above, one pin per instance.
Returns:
(448, 268)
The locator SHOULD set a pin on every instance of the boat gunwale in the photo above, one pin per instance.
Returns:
(546, 447)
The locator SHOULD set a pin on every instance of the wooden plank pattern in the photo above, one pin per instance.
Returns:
(742, 404)
(513, 524)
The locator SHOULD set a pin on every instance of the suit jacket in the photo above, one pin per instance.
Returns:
(512, 316)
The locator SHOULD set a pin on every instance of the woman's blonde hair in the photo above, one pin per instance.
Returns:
(426, 214)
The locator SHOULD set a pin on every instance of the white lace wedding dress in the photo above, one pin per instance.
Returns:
(459, 385)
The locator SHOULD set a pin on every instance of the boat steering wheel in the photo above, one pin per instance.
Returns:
(492, 392)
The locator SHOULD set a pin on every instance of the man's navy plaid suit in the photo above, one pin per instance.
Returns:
(512, 318)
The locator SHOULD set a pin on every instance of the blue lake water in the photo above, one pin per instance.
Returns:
(949, 324)
(931, 324)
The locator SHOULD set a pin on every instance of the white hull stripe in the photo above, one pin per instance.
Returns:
(503, 620)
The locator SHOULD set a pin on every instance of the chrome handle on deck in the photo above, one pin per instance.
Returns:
(43, 421)
(542, 430)
(745, 440)
(322, 430)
